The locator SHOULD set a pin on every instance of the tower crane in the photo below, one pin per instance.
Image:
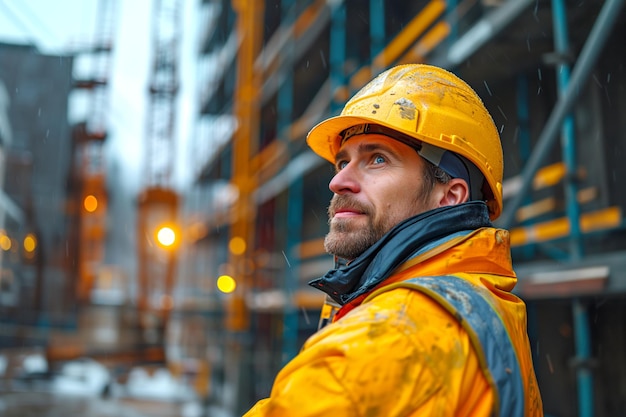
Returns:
(89, 167)
(157, 234)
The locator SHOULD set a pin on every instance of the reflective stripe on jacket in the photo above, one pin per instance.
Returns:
(489, 337)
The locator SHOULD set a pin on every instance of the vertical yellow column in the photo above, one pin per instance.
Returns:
(245, 142)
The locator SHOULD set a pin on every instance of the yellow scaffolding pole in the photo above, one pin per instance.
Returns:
(245, 142)
(604, 219)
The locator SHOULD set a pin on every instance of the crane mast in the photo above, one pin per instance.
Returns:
(158, 202)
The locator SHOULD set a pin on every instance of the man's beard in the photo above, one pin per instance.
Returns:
(346, 239)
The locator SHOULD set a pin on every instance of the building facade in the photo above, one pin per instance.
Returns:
(551, 74)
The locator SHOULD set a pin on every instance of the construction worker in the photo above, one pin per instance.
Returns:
(427, 324)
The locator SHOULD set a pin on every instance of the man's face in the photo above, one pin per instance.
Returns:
(378, 183)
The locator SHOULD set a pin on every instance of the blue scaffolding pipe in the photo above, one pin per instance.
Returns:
(584, 378)
(582, 336)
(584, 65)
(377, 30)
(523, 115)
(337, 54)
(523, 135)
(568, 134)
(454, 23)
(292, 274)
(294, 205)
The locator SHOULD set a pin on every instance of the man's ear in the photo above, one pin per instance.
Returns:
(455, 192)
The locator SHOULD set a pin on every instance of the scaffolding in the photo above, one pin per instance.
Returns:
(89, 137)
(561, 207)
(158, 202)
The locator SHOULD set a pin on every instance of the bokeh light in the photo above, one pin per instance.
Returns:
(226, 284)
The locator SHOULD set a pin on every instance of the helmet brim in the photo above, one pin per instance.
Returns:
(325, 137)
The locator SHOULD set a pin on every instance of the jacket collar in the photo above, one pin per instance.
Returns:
(399, 244)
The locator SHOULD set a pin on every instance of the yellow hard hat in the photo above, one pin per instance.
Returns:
(430, 105)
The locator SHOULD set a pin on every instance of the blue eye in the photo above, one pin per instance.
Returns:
(341, 165)
(379, 159)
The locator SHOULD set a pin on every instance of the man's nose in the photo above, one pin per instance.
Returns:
(346, 180)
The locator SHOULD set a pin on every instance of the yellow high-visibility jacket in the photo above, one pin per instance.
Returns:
(394, 350)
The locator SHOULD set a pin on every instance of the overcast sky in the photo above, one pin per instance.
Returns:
(60, 26)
